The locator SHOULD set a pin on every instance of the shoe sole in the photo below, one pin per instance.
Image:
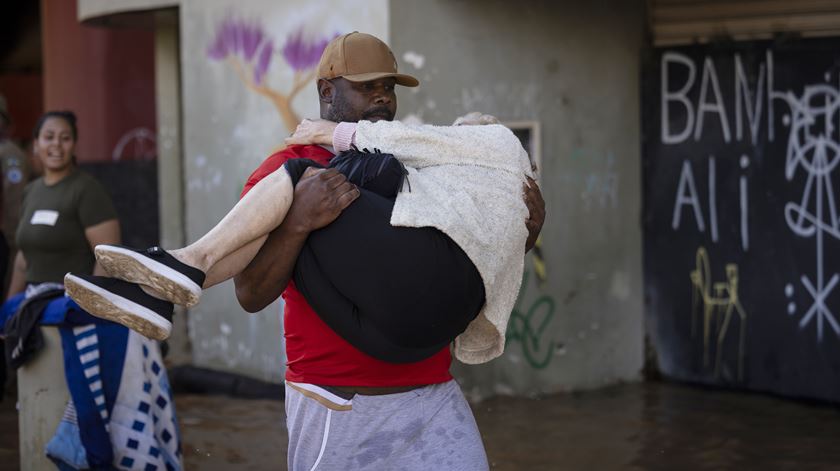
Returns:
(131, 266)
(109, 306)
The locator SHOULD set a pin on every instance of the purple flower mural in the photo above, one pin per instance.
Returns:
(250, 50)
(244, 40)
(302, 54)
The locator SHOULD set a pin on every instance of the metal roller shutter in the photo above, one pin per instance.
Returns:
(690, 21)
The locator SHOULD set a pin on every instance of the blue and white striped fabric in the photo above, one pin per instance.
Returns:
(123, 399)
(121, 413)
(87, 346)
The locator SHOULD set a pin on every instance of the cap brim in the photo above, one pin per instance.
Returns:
(402, 79)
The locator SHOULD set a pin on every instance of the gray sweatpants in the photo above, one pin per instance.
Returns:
(426, 428)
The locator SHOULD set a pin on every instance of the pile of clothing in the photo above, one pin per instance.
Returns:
(120, 413)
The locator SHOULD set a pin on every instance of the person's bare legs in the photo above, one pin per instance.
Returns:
(233, 264)
(234, 241)
(229, 247)
(260, 211)
(224, 269)
(220, 254)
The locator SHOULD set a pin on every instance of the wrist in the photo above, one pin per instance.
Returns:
(294, 227)
(343, 135)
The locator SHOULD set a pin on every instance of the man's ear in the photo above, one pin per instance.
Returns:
(326, 91)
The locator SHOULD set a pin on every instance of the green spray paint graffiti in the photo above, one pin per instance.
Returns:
(528, 327)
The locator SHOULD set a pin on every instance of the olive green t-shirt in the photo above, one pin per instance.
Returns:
(51, 232)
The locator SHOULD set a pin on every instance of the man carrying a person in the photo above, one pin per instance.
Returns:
(345, 409)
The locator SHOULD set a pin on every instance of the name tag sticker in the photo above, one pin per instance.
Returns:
(44, 217)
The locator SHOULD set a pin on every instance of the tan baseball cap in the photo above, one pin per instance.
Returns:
(360, 57)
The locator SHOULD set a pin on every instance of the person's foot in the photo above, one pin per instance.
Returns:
(374, 171)
(121, 302)
(153, 267)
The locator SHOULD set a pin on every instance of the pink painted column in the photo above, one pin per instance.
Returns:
(105, 75)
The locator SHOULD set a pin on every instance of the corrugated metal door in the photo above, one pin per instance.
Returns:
(689, 21)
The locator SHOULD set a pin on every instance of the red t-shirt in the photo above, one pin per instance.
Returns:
(315, 354)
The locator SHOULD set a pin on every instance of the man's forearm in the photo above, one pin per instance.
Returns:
(536, 213)
(320, 197)
(269, 272)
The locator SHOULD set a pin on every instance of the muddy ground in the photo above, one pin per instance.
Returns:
(651, 426)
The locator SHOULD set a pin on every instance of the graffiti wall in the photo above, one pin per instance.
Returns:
(247, 79)
(741, 227)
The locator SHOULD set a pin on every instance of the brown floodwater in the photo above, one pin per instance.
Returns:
(647, 426)
(658, 426)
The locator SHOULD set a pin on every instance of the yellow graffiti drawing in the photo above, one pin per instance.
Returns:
(539, 261)
(715, 301)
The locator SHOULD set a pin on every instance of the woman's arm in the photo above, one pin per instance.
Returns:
(106, 232)
(422, 146)
(18, 281)
(313, 131)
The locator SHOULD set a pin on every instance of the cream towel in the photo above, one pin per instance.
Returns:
(467, 182)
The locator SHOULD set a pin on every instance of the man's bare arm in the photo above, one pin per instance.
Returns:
(269, 272)
(320, 197)
(536, 213)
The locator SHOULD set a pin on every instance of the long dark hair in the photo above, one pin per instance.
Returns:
(66, 115)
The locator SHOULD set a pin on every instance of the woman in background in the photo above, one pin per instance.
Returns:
(65, 213)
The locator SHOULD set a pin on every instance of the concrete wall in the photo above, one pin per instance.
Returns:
(574, 67)
(170, 161)
(232, 122)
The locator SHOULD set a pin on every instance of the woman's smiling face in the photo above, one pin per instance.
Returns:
(55, 144)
